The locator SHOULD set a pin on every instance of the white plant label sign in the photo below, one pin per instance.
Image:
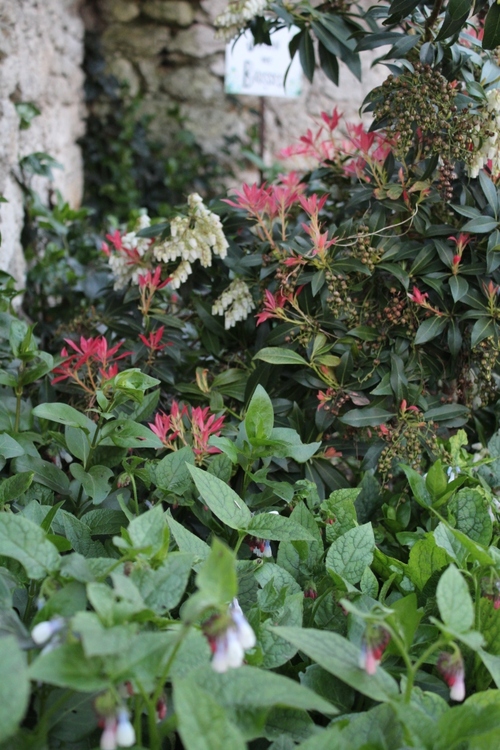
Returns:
(259, 70)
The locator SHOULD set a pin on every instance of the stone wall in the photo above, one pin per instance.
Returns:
(41, 49)
(167, 51)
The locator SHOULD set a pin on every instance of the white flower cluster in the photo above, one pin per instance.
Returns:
(235, 303)
(488, 148)
(121, 263)
(230, 645)
(230, 22)
(197, 236)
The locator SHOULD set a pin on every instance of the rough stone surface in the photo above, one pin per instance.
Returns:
(172, 63)
(41, 50)
(170, 11)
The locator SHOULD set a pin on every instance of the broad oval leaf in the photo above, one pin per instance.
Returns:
(14, 686)
(351, 553)
(429, 329)
(370, 417)
(221, 499)
(276, 355)
(27, 543)
(341, 658)
(64, 414)
(454, 601)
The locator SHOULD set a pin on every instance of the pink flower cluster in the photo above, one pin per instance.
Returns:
(199, 424)
(90, 362)
(269, 201)
(354, 150)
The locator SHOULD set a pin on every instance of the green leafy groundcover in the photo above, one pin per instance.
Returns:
(117, 625)
(250, 457)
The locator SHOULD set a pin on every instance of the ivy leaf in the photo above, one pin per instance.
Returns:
(350, 554)
(27, 543)
(221, 499)
(454, 601)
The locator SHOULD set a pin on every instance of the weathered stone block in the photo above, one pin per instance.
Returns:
(192, 84)
(137, 40)
(122, 11)
(198, 41)
(176, 12)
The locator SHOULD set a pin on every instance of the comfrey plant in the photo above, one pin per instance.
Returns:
(141, 609)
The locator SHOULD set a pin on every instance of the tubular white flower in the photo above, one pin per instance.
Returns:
(125, 732)
(234, 650)
(245, 632)
(220, 662)
(457, 690)
(43, 632)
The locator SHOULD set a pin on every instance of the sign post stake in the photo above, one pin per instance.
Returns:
(262, 135)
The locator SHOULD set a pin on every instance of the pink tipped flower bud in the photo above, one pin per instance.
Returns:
(43, 632)
(161, 708)
(125, 732)
(451, 669)
(310, 591)
(375, 642)
(108, 737)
